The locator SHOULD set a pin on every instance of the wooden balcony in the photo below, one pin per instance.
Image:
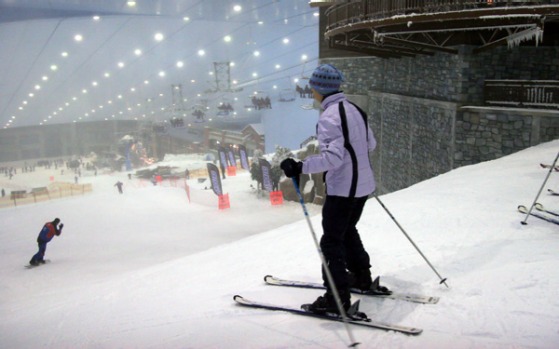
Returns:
(542, 94)
(396, 28)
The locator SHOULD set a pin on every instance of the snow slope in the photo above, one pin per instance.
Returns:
(148, 269)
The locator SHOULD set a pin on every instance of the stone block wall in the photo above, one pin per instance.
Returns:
(427, 111)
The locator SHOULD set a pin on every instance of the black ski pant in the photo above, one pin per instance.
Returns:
(340, 242)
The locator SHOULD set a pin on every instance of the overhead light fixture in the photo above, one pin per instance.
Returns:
(159, 37)
(78, 37)
(131, 3)
(321, 3)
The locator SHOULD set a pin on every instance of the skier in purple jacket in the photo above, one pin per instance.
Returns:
(345, 140)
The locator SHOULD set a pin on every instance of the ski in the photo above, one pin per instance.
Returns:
(540, 207)
(523, 209)
(30, 266)
(271, 280)
(556, 168)
(360, 320)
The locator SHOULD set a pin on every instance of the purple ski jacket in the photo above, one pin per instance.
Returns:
(335, 158)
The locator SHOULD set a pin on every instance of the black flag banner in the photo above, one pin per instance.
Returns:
(243, 157)
(266, 170)
(213, 172)
(222, 157)
(232, 161)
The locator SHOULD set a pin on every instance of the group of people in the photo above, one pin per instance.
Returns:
(261, 102)
(345, 140)
(304, 92)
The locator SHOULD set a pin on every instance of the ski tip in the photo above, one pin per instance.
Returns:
(268, 277)
(353, 345)
(237, 297)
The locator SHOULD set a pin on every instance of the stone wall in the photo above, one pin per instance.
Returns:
(489, 133)
(427, 111)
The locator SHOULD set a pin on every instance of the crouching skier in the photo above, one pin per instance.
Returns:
(50, 229)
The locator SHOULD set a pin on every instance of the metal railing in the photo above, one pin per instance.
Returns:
(358, 11)
(522, 93)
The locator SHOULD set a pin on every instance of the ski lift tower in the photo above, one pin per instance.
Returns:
(222, 73)
(177, 106)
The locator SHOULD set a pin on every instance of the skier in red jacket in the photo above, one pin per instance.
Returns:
(50, 229)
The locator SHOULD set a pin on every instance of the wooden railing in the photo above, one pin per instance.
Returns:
(522, 93)
(357, 11)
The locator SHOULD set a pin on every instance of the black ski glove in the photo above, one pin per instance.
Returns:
(291, 168)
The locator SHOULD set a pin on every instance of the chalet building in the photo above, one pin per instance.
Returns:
(446, 83)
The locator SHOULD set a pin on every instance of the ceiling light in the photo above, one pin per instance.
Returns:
(256, 53)
(159, 37)
(64, 54)
(254, 75)
(84, 91)
(146, 82)
(45, 78)
(304, 57)
(278, 66)
(286, 41)
(180, 64)
(237, 8)
(78, 37)
(161, 73)
(107, 75)
(227, 38)
(201, 52)
(53, 67)
(131, 3)
(231, 64)
(31, 95)
(37, 87)
(186, 19)
(120, 64)
(260, 22)
(94, 83)
(138, 52)
(96, 18)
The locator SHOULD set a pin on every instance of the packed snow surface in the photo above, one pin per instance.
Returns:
(149, 269)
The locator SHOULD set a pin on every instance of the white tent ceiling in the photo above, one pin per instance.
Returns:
(120, 71)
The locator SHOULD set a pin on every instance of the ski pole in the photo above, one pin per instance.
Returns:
(539, 192)
(329, 277)
(443, 280)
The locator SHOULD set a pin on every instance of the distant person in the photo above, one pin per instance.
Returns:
(187, 174)
(3, 192)
(119, 185)
(50, 229)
